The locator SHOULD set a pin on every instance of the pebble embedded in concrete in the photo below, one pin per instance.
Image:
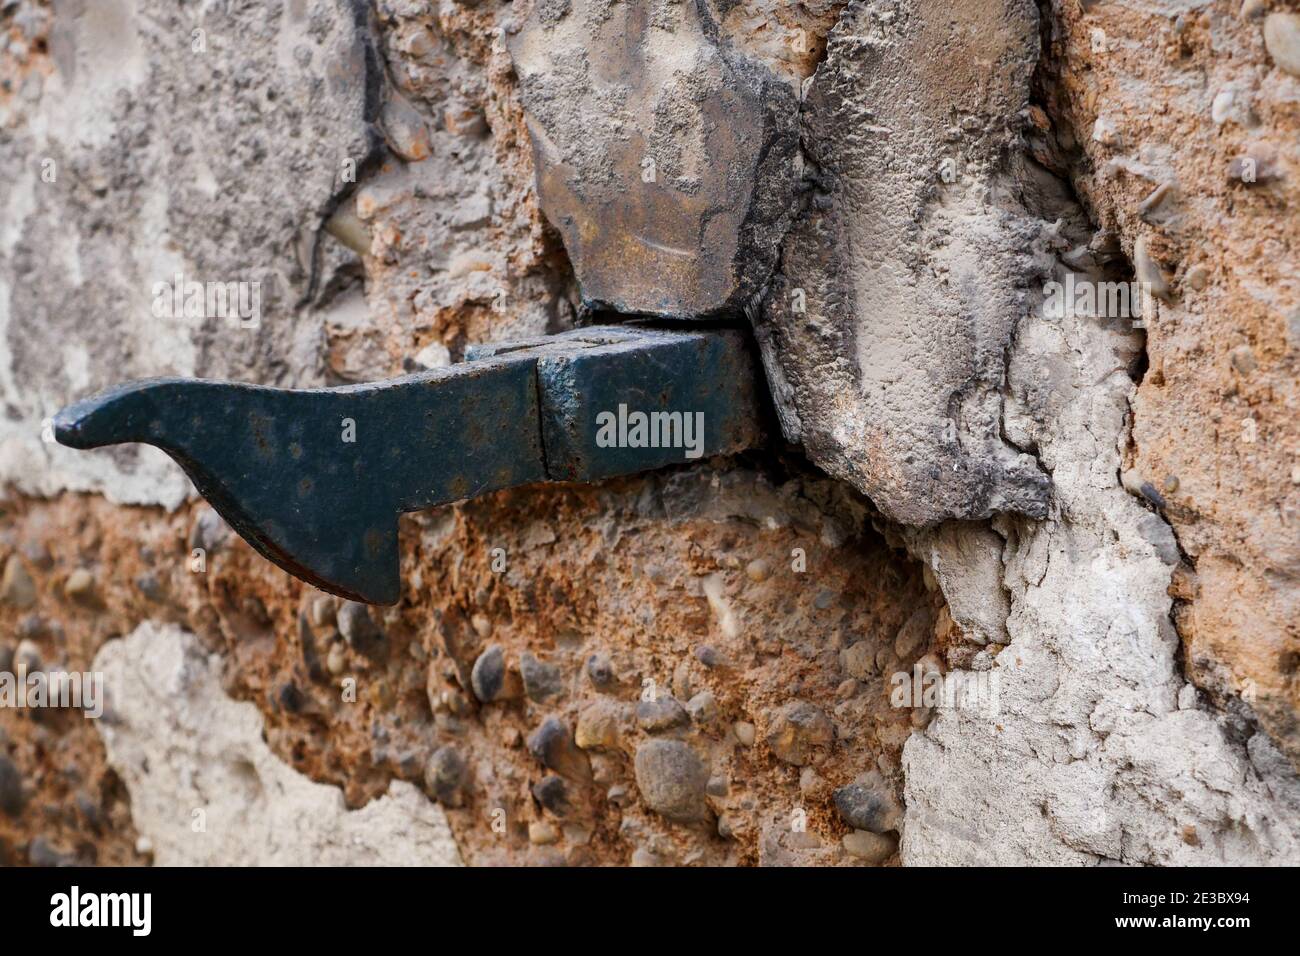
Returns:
(444, 775)
(672, 779)
(662, 713)
(868, 805)
(541, 680)
(1282, 39)
(798, 731)
(553, 746)
(359, 628)
(16, 586)
(874, 848)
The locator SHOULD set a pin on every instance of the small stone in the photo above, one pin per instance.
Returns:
(1250, 9)
(1243, 359)
(641, 857)
(11, 788)
(662, 713)
(1148, 270)
(702, 707)
(150, 587)
(618, 795)
(491, 680)
(444, 776)
(359, 628)
(336, 661)
(1198, 277)
(744, 732)
(868, 805)
(1188, 697)
(727, 827)
(541, 680)
(553, 746)
(38, 555)
(542, 833)
(210, 532)
(708, 656)
(1282, 40)
(847, 690)
(672, 779)
(718, 787)
(758, 570)
(597, 727)
(553, 794)
(874, 848)
(40, 852)
(797, 730)
(463, 120)
(600, 672)
(482, 625)
(1156, 198)
(16, 586)
(405, 130)
(143, 845)
(290, 699)
(859, 660)
(809, 781)
(32, 627)
(323, 612)
(80, 587)
(914, 634)
(27, 658)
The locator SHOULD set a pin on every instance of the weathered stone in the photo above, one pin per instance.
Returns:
(672, 779)
(11, 787)
(553, 794)
(80, 587)
(598, 726)
(600, 672)
(444, 776)
(1282, 38)
(874, 848)
(797, 731)
(671, 176)
(16, 587)
(541, 680)
(553, 746)
(859, 659)
(491, 679)
(868, 806)
(663, 713)
(702, 708)
(359, 628)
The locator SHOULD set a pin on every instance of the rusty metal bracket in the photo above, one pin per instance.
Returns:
(314, 479)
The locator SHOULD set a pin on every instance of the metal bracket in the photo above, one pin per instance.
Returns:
(314, 479)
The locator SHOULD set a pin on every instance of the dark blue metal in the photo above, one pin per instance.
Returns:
(315, 479)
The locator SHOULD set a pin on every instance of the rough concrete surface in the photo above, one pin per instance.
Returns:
(1088, 518)
(207, 790)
